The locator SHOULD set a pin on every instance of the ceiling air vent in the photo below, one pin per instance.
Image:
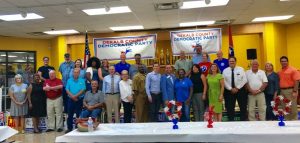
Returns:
(166, 6)
(222, 22)
(36, 33)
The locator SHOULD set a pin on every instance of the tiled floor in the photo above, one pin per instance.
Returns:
(35, 138)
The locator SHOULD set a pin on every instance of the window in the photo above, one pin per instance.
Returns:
(12, 63)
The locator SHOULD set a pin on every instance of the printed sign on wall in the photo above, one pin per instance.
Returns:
(110, 48)
(187, 40)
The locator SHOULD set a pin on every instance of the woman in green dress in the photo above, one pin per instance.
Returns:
(215, 83)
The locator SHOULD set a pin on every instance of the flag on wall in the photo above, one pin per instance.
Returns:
(231, 50)
(87, 53)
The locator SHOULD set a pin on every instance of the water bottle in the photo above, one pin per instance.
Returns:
(90, 124)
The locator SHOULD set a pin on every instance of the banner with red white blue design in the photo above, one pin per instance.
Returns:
(187, 40)
(111, 48)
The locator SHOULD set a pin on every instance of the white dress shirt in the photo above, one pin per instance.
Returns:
(256, 80)
(125, 89)
(240, 78)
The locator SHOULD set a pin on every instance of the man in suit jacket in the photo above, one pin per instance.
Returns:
(167, 84)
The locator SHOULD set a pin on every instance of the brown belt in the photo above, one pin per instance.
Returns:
(287, 88)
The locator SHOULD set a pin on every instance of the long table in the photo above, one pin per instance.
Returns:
(6, 132)
(247, 132)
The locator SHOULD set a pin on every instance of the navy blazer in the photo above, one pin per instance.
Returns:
(167, 87)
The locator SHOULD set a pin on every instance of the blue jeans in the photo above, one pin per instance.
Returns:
(185, 113)
(94, 113)
(73, 107)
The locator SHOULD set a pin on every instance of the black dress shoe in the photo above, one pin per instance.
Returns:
(59, 130)
(49, 130)
(67, 131)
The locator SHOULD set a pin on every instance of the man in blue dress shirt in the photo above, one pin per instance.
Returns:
(112, 94)
(153, 92)
(221, 62)
(122, 65)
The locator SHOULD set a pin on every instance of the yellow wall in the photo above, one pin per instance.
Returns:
(243, 42)
(77, 51)
(275, 43)
(41, 46)
(280, 44)
(58, 49)
(293, 44)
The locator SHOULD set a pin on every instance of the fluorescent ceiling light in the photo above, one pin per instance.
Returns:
(112, 10)
(3, 55)
(121, 28)
(186, 24)
(272, 18)
(11, 56)
(59, 32)
(15, 17)
(202, 3)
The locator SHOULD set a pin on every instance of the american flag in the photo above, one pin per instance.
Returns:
(231, 50)
(87, 53)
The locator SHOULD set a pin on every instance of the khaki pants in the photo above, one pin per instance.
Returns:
(112, 103)
(260, 100)
(55, 110)
(287, 93)
(141, 108)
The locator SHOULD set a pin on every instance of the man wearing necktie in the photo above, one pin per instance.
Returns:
(112, 94)
(235, 80)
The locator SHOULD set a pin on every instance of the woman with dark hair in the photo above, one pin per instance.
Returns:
(93, 65)
(215, 83)
(183, 90)
(200, 87)
(102, 72)
(78, 64)
(37, 102)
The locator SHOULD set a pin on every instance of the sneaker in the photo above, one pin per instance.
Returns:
(67, 131)
(59, 130)
(49, 130)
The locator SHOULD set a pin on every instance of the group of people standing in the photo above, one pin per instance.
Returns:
(197, 83)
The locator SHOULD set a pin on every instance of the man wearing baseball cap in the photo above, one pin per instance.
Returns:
(65, 69)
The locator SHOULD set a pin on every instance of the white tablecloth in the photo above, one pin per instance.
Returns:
(250, 132)
(6, 132)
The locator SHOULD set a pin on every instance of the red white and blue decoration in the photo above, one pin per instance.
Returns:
(209, 117)
(87, 53)
(2, 119)
(174, 117)
(281, 112)
(231, 50)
